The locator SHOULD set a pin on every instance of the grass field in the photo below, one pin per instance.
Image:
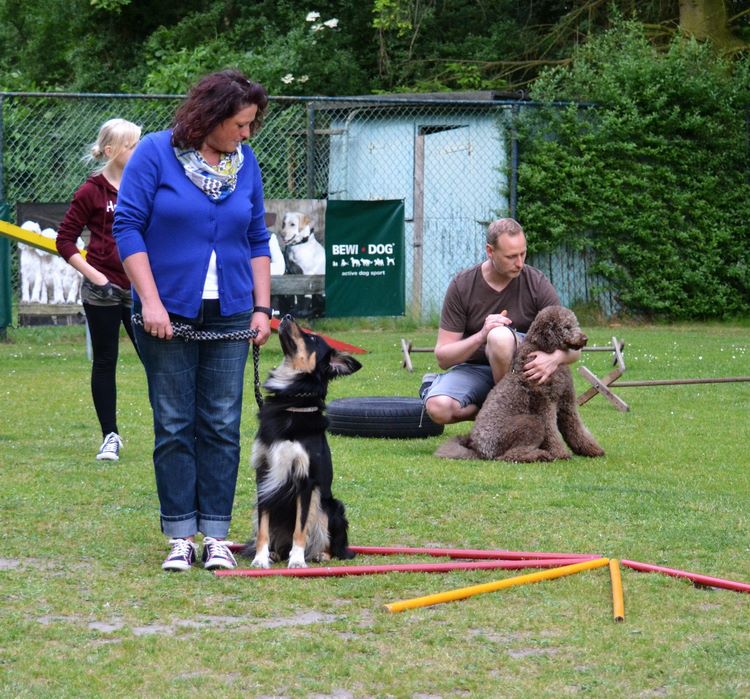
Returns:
(87, 612)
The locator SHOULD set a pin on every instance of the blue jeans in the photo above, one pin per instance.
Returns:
(195, 390)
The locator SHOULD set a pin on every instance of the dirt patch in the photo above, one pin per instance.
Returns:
(304, 619)
(111, 626)
(496, 637)
(520, 653)
(106, 626)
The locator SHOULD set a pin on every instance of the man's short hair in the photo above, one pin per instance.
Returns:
(508, 226)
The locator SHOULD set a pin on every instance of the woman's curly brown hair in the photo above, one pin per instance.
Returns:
(214, 98)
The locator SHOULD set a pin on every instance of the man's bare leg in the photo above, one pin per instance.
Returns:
(501, 348)
(445, 410)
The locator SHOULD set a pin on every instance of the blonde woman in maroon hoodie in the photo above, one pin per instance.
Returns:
(105, 291)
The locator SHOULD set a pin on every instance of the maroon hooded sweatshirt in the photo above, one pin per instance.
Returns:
(93, 207)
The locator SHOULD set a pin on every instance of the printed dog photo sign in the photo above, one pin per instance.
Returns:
(337, 258)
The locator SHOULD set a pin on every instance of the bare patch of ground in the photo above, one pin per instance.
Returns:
(204, 621)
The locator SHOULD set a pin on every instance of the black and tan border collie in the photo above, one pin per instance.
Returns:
(296, 515)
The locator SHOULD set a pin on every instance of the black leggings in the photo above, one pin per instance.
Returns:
(104, 330)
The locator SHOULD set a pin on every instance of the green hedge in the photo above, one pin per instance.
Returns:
(652, 177)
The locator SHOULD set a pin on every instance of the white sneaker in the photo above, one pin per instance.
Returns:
(110, 448)
(216, 554)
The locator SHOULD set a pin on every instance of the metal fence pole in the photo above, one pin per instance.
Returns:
(310, 174)
(6, 282)
(416, 293)
(513, 161)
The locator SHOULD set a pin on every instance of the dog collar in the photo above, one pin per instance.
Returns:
(300, 241)
(308, 409)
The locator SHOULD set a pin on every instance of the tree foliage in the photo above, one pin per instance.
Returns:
(653, 177)
(375, 46)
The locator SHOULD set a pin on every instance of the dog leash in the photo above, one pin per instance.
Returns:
(189, 334)
(515, 349)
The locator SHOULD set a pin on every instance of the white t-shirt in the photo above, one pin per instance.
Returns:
(211, 285)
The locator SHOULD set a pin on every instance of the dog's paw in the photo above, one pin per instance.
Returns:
(594, 452)
(297, 557)
(261, 562)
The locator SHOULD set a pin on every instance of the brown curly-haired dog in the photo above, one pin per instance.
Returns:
(523, 420)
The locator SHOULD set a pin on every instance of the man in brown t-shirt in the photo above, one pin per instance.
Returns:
(487, 309)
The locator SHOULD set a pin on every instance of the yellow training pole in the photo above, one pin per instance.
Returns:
(21, 235)
(618, 605)
(464, 592)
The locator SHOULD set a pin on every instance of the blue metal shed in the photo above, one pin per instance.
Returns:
(448, 165)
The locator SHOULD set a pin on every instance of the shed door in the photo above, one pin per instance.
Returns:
(461, 192)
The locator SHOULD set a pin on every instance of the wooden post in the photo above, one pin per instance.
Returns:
(406, 349)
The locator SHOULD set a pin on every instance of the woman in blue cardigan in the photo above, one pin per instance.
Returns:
(190, 230)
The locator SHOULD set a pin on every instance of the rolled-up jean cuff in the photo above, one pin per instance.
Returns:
(215, 526)
(180, 527)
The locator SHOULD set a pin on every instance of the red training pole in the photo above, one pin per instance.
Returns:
(333, 571)
(694, 577)
(468, 553)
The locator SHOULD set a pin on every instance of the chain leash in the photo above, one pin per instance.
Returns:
(188, 333)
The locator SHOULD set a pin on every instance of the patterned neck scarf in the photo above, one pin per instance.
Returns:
(217, 182)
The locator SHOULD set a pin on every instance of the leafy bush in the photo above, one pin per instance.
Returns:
(648, 170)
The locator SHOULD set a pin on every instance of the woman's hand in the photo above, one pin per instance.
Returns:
(262, 323)
(97, 278)
(156, 320)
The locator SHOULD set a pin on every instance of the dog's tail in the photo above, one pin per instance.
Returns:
(248, 550)
(456, 448)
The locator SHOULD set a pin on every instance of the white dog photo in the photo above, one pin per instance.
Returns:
(301, 246)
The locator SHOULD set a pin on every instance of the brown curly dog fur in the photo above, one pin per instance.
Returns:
(522, 420)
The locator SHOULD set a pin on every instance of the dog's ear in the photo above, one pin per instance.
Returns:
(343, 364)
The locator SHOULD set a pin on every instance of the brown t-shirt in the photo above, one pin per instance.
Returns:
(469, 300)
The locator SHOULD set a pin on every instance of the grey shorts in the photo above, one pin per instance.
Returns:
(469, 384)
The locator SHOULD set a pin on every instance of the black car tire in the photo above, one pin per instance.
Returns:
(394, 417)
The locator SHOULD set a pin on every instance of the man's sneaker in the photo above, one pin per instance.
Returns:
(427, 381)
(216, 554)
(182, 555)
(110, 448)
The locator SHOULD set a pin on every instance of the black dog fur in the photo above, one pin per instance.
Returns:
(296, 515)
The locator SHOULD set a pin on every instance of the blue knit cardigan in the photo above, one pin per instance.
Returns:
(162, 213)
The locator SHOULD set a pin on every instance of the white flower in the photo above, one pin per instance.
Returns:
(303, 78)
(287, 79)
(316, 27)
(312, 16)
(332, 23)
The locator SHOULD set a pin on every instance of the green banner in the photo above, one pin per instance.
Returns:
(364, 244)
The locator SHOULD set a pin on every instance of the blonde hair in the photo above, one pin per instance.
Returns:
(119, 134)
(507, 226)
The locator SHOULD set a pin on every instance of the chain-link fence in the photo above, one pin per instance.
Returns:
(453, 162)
